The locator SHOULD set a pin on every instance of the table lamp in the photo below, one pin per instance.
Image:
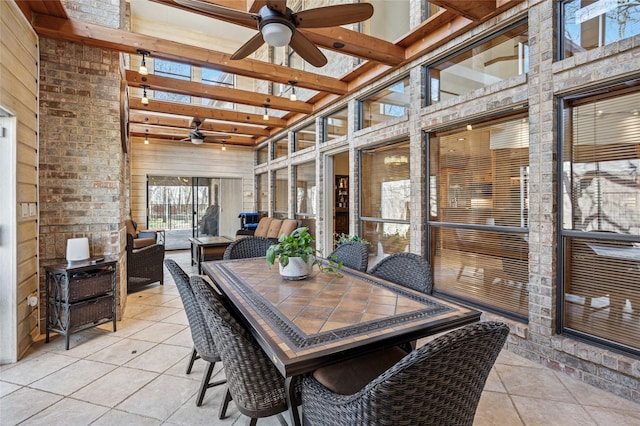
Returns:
(77, 249)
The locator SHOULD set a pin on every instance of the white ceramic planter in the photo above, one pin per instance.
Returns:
(297, 269)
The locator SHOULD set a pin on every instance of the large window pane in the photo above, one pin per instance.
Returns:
(281, 148)
(601, 201)
(497, 58)
(305, 137)
(388, 103)
(164, 68)
(588, 24)
(478, 194)
(336, 125)
(306, 194)
(262, 154)
(217, 78)
(385, 195)
(281, 193)
(262, 194)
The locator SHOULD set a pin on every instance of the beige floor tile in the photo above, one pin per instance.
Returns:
(114, 387)
(614, 417)
(6, 388)
(178, 318)
(494, 384)
(533, 382)
(159, 358)
(117, 417)
(158, 332)
(174, 303)
(543, 412)
(86, 342)
(156, 313)
(496, 409)
(24, 403)
(182, 338)
(73, 377)
(122, 352)
(68, 412)
(189, 414)
(159, 299)
(509, 358)
(590, 395)
(128, 326)
(133, 310)
(161, 397)
(24, 373)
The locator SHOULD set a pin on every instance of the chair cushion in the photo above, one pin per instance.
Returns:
(348, 377)
(131, 228)
(288, 226)
(143, 242)
(274, 228)
(263, 227)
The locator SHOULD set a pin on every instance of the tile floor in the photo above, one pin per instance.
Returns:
(136, 376)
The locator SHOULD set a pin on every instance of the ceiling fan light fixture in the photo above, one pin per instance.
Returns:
(292, 96)
(224, 148)
(196, 141)
(276, 34)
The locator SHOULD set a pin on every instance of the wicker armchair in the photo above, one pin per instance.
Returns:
(144, 265)
(352, 254)
(437, 384)
(253, 382)
(247, 247)
(203, 344)
(406, 269)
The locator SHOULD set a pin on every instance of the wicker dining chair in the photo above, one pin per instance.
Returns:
(352, 254)
(203, 343)
(437, 384)
(247, 247)
(406, 269)
(253, 382)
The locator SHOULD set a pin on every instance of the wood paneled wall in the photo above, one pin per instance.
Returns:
(19, 96)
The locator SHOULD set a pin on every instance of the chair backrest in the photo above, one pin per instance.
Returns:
(200, 333)
(288, 226)
(274, 229)
(352, 254)
(407, 269)
(131, 227)
(247, 247)
(254, 382)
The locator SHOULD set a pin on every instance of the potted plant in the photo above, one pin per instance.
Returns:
(345, 238)
(295, 253)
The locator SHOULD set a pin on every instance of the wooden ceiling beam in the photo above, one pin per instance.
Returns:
(202, 113)
(179, 133)
(474, 10)
(128, 42)
(220, 93)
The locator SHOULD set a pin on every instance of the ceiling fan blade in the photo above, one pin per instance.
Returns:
(307, 50)
(278, 5)
(333, 16)
(249, 47)
(220, 11)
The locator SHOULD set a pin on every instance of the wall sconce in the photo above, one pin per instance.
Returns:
(265, 116)
(469, 127)
(293, 96)
(145, 99)
(146, 136)
(143, 65)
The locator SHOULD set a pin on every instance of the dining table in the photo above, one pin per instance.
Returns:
(327, 317)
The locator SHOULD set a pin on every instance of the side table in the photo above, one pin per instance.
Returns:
(80, 295)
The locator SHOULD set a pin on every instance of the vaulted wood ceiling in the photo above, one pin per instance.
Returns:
(173, 121)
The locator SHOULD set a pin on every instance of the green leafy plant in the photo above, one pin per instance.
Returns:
(345, 238)
(299, 244)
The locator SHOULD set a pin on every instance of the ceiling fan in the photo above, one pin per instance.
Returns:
(195, 136)
(277, 24)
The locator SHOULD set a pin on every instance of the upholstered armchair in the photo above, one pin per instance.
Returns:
(140, 238)
(144, 265)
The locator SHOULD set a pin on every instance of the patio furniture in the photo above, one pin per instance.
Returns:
(140, 238)
(270, 228)
(407, 269)
(247, 247)
(352, 254)
(253, 382)
(437, 384)
(271, 310)
(205, 248)
(204, 346)
(144, 265)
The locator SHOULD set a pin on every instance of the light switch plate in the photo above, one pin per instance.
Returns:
(32, 209)
(24, 208)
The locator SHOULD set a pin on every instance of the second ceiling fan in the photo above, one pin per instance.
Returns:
(277, 24)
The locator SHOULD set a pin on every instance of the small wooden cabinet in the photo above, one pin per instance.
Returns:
(79, 296)
(341, 209)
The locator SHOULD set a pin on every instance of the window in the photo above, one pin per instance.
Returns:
(600, 192)
(336, 125)
(390, 102)
(385, 195)
(281, 148)
(478, 214)
(588, 24)
(281, 194)
(305, 137)
(164, 68)
(217, 78)
(262, 194)
(306, 195)
(499, 57)
(429, 9)
(262, 154)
